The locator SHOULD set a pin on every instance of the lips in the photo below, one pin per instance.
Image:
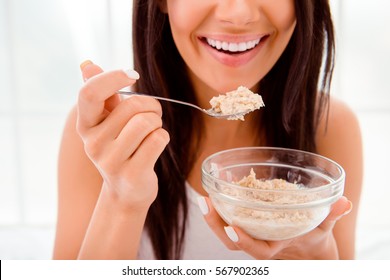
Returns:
(233, 51)
(233, 46)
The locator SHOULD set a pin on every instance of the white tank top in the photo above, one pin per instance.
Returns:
(200, 241)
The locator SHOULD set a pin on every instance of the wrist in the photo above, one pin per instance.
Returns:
(120, 203)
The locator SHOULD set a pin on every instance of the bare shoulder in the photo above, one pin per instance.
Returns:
(79, 185)
(339, 136)
(72, 157)
(338, 127)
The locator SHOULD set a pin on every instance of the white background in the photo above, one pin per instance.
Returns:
(42, 43)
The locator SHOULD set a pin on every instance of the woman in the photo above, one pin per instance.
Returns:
(129, 170)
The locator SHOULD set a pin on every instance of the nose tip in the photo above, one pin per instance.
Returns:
(238, 12)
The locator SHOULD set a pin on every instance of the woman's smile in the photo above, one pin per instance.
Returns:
(230, 43)
(233, 51)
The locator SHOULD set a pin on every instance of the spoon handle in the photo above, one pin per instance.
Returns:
(162, 98)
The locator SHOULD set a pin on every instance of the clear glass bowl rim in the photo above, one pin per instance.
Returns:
(333, 185)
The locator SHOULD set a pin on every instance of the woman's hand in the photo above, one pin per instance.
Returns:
(317, 244)
(123, 138)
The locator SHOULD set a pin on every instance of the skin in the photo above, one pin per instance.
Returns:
(110, 145)
(232, 21)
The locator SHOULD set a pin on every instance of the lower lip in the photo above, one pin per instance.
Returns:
(234, 60)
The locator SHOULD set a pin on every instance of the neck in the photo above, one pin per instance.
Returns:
(221, 135)
(224, 133)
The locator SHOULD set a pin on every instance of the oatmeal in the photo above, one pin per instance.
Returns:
(265, 223)
(237, 102)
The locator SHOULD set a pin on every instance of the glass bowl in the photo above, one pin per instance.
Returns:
(291, 195)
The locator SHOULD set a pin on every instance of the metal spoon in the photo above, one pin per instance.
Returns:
(211, 112)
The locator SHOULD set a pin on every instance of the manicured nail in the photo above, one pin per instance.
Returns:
(127, 88)
(85, 63)
(346, 212)
(349, 209)
(204, 208)
(132, 74)
(231, 233)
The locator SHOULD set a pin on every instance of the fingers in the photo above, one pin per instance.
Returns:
(151, 148)
(138, 137)
(99, 87)
(137, 158)
(88, 70)
(259, 249)
(130, 129)
(134, 135)
(339, 209)
(124, 130)
(215, 221)
(123, 138)
(236, 239)
(123, 113)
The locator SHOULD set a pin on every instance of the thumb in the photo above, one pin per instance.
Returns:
(340, 208)
(89, 69)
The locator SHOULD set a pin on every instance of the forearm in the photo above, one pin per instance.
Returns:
(114, 231)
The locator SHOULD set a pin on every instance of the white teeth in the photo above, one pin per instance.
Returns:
(242, 47)
(225, 46)
(233, 47)
(218, 45)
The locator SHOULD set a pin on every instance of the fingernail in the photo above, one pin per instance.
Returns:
(85, 63)
(127, 88)
(349, 209)
(204, 208)
(231, 233)
(132, 74)
(346, 212)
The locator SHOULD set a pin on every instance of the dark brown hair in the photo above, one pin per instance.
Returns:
(295, 92)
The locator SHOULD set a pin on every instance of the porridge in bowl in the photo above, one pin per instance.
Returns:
(291, 194)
